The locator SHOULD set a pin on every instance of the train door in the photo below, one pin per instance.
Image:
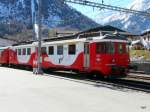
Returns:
(86, 55)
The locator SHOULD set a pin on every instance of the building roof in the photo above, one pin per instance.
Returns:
(103, 28)
(94, 32)
(146, 44)
(108, 29)
(6, 42)
(145, 32)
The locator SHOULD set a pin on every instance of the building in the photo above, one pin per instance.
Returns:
(59, 32)
(6, 42)
(146, 35)
(143, 42)
(111, 29)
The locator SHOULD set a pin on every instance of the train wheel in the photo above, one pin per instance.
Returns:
(89, 75)
(97, 75)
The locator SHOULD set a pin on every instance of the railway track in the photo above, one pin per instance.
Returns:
(133, 84)
(120, 84)
(143, 77)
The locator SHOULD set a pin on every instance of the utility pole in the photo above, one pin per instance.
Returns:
(39, 71)
(37, 29)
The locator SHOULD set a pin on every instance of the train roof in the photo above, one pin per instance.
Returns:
(1, 48)
(86, 35)
(23, 43)
(115, 36)
(106, 34)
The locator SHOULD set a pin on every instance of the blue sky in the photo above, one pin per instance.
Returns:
(94, 13)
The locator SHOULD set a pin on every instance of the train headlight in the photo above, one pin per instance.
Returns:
(98, 59)
(113, 60)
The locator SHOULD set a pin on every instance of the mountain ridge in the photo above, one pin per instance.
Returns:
(54, 14)
(131, 22)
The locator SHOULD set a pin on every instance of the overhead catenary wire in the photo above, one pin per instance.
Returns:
(109, 7)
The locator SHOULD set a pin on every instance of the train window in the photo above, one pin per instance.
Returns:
(120, 48)
(51, 50)
(110, 47)
(43, 50)
(19, 51)
(127, 48)
(0, 52)
(60, 50)
(72, 49)
(28, 51)
(16, 51)
(86, 48)
(24, 51)
(100, 47)
(105, 47)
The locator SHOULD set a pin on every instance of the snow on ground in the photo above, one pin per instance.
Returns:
(21, 91)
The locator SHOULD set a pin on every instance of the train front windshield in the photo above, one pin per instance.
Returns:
(123, 48)
(105, 48)
(111, 48)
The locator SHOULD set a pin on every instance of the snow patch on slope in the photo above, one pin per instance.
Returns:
(131, 22)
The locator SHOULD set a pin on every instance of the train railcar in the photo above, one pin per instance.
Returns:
(102, 55)
(4, 55)
(22, 54)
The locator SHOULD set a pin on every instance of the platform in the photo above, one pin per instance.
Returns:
(21, 91)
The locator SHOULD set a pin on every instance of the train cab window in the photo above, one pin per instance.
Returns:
(19, 51)
(100, 47)
(43, 50)
(127, 48)
(28, 51)
(105, 47)
(120, 48)
(51, 50)
(60, 50)
(72, 49)
(24, 51)
(110, 48)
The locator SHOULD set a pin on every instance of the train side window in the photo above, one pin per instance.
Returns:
(16, 51)
(60, 50)
(24, 51)
(28, 51)
(120, 48)
(43, 50)
(51, 50)
(72, 49)
(19, 51)
(86, 48)
(0, 52)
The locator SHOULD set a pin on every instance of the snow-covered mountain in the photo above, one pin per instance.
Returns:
(131, 22)
(54, 14)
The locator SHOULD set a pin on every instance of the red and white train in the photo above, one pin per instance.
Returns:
(103, 55)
